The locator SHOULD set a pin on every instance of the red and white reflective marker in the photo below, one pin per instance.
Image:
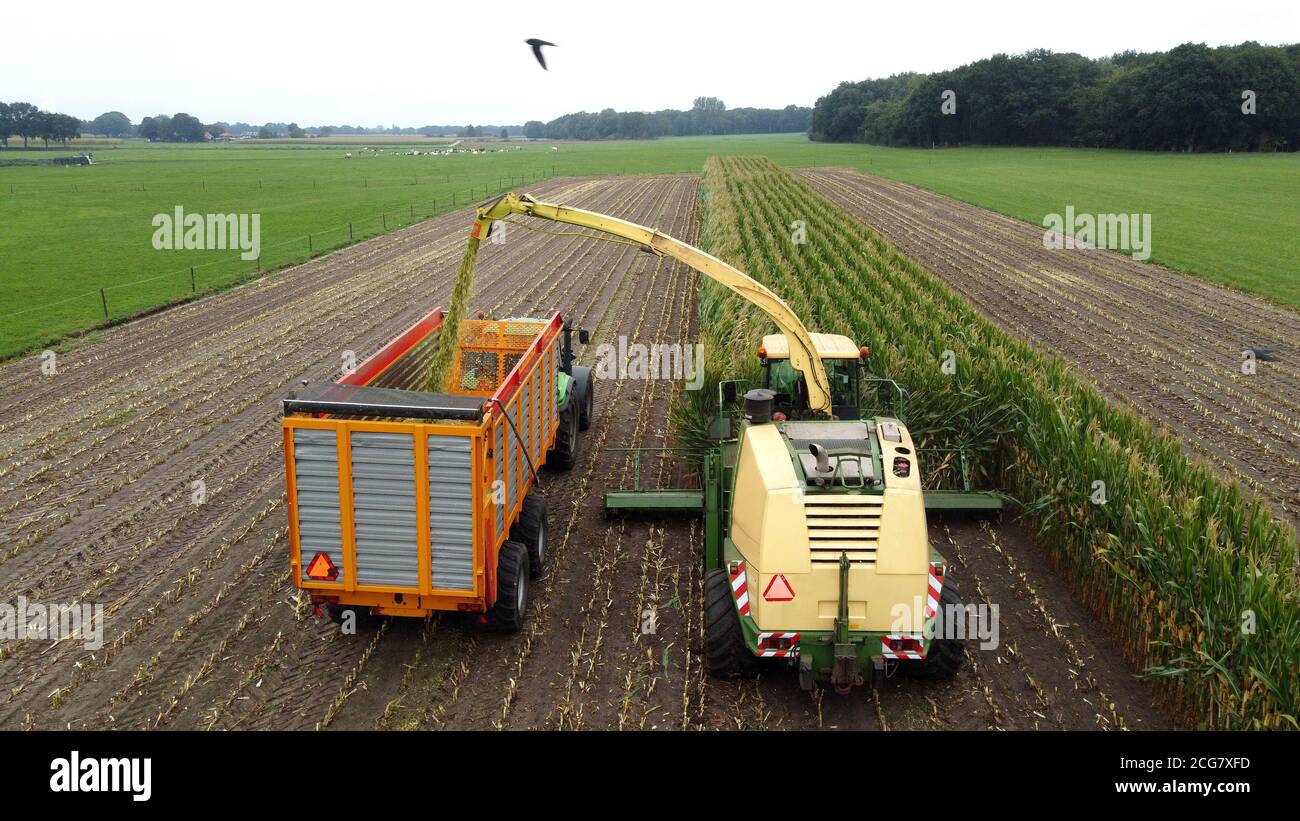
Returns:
(322, 569)
(778, 589)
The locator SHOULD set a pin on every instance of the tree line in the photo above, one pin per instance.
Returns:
(708, 115)
(1190, 98)
(31, 123)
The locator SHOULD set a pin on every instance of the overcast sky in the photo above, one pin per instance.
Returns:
(414, 64)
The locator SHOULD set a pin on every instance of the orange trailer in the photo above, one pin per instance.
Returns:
(404, 502)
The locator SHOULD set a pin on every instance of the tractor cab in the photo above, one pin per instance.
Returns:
(844, 363)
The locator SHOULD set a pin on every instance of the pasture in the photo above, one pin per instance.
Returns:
(68, 232)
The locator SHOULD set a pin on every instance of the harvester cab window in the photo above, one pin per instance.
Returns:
(783, 380)
(843, 376)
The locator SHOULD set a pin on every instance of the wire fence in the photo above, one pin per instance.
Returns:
(116, 301)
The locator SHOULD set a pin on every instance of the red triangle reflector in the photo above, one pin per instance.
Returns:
(322, 569)
(778, 589)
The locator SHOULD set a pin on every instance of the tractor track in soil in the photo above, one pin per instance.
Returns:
(204, 629)
(1166, 344)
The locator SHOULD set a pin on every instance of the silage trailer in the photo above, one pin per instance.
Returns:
(405, 502)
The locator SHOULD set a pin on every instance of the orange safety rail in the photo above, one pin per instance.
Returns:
(487, 351)
(354, 475)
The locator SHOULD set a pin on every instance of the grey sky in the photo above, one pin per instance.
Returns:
(413, 64)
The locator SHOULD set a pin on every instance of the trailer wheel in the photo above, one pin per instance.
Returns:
(530, 530)
(565, 449)
(946, 655)
(725, 653)
(586, 408)
(507, 615)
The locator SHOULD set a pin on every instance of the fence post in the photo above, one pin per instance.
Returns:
(349, 232)
(193, 286)
(309, 248)
(385, 217)
(412, 212)
(103, 297)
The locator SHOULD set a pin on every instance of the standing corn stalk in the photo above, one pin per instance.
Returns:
(445, 354)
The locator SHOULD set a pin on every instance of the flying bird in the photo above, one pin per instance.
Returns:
(537, 50)
(1265, 354)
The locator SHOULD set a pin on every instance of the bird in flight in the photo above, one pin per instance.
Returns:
(537, 50)
(1265, 354)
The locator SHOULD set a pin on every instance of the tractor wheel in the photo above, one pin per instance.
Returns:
(725, 653)
(363, 618)
(587, 408)
(565, 450)
(507, 615)
(946, 655)
(530, 531)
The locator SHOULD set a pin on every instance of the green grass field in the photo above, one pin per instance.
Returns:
(67, 232)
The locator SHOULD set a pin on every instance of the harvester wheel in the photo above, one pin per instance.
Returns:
(725, 652)
(586, 408)
(507, 615)
(565, 451)
(946, 655)
(531, 531)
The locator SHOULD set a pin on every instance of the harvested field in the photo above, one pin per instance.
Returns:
(1166, 344)
(205, 631)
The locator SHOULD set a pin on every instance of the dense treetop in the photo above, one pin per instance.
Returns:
(1191, 98)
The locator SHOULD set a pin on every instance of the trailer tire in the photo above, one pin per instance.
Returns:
(507, 615)
(946, 655)
(725, 653)
(565, 450)
(530, 530)
(586, 394)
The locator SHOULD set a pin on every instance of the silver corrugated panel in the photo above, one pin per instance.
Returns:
(535, 423)
(316, 477)
(548, 390)
(451, 515)
(500, 451)
(552, 388)
(516, 458)
(383, 492)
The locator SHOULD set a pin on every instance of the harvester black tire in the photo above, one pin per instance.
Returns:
(507, 615)
(725, 652)
(530, 530)
(946, 655)
(586, 393)
(565, 451)
(365, 620)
